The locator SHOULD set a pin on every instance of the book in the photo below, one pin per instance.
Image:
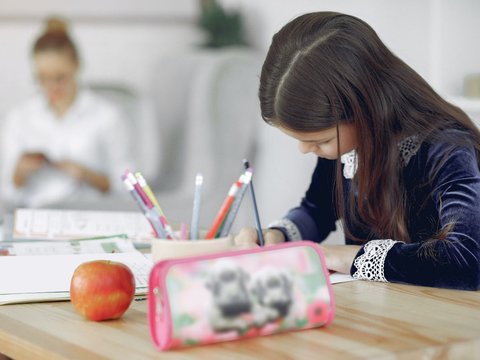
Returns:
(53, 224)
(114, 244)
(38, 278)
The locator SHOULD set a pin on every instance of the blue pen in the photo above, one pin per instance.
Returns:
(150, 214)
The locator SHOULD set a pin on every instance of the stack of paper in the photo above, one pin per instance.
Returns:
(49, 224)
(90, 246)
(47, 277)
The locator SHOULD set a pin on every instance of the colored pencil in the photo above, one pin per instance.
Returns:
(222, 213)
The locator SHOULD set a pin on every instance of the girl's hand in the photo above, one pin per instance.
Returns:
(247, 237)
(340, 257)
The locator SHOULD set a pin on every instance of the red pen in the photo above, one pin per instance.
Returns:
(227, 204)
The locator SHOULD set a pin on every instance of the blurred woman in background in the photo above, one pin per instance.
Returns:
(64, 143)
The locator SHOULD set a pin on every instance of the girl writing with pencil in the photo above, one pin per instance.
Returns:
(64, 143)
(396, 163)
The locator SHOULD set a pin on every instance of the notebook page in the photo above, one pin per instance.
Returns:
(68, 224)
(38, 247)
(48, 275)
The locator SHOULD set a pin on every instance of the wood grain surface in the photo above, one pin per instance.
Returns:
(373, 320)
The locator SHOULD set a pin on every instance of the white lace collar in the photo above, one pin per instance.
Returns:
(407, 148)
(350, 162)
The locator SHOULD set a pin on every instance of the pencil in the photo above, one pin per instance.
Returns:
(222, 213)
(151, 196)
(143, 183)
(183, 231)
(152, 212)
(157, 229)
(245, 180)
(255, 208)
(196, 206)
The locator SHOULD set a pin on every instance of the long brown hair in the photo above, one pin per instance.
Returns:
(56, 38)
(326, 68)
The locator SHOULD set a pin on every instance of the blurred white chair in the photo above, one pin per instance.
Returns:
(142, 125)
(208, 114)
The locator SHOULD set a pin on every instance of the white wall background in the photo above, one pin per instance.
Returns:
(118, 40)
(435, 37)
(124, 41)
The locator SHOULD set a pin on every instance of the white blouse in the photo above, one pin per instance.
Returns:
(91, 133)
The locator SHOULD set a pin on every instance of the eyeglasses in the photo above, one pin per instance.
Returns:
(56, 80)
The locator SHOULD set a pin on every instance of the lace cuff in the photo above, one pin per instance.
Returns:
(288, 227)
(370, 265)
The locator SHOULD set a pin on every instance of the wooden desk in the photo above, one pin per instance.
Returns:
(373, 320)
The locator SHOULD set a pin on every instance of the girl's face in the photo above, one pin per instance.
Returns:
(323, 143)
(56, 73)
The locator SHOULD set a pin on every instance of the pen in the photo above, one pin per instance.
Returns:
(227, 203)
(245, 180)
(158, 230)
(255, 208)
(151, 196)
(196, 206)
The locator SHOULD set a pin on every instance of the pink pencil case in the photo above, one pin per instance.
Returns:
(239, 294)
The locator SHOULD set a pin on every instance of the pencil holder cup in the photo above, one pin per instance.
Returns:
(169, 249)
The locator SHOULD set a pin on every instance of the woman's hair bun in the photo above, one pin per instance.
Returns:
(55, 37)
(56, 25)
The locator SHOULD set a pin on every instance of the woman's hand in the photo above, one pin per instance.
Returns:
(72, 169)
(248, 238)
(340, 257)
(27, 165)
(81, 173)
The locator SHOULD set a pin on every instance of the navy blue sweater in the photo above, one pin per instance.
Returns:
(435, 199)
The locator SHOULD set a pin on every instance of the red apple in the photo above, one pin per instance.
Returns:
(102, 289)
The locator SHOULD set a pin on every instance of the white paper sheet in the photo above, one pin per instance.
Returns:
(50, 224)
(46, 277)
(98, 246)
(337, 278)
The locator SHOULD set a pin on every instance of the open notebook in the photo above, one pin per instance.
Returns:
(47, 277)
(51, 224)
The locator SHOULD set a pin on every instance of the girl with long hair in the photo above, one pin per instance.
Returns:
(397, 164)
